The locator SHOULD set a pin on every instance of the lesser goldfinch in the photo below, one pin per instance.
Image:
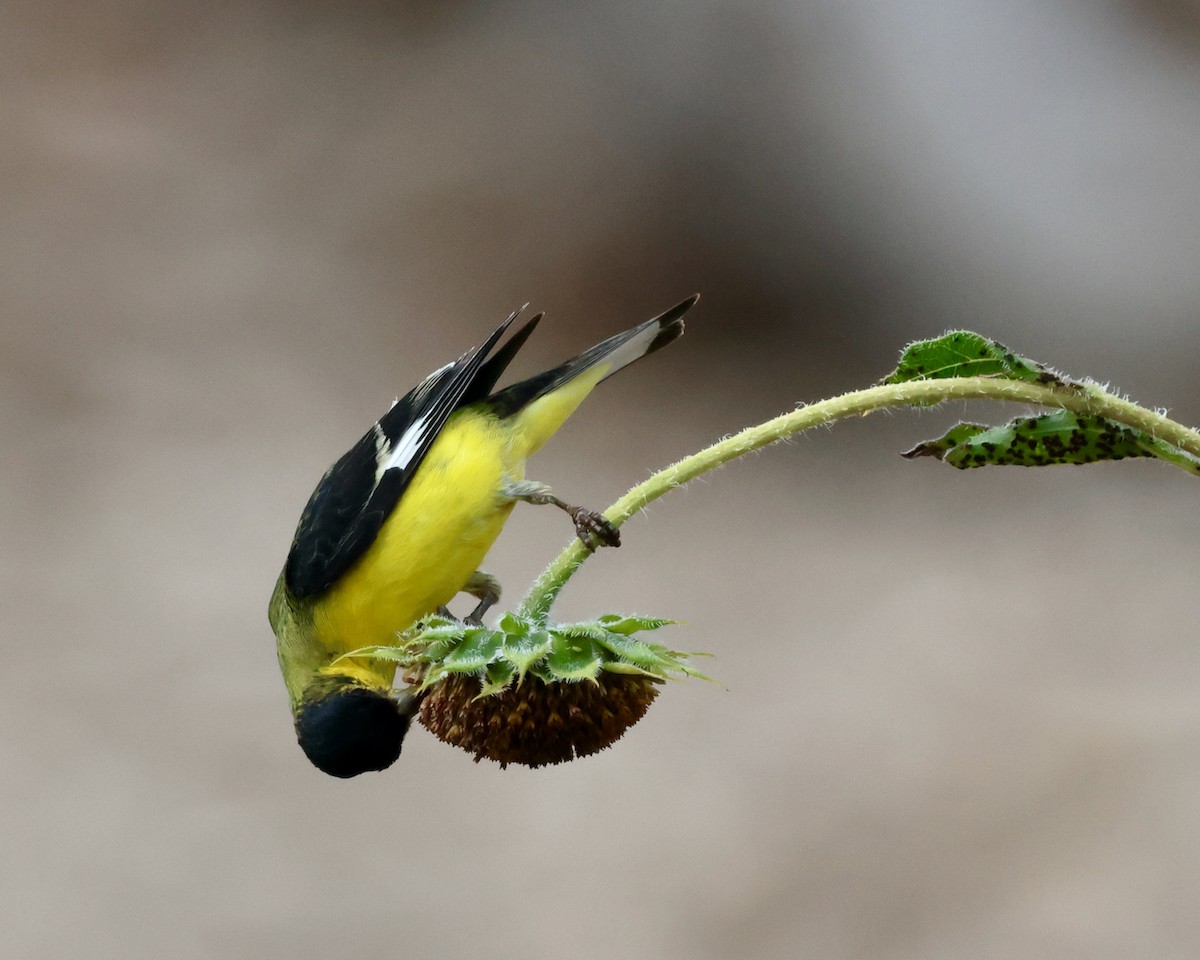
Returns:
(401, 523)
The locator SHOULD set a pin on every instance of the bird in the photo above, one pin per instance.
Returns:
(400, 524)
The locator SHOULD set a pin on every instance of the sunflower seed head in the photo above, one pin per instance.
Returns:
(535, 723)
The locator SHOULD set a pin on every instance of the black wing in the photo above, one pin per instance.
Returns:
(352, 501)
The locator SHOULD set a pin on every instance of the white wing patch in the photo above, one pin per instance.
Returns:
(409, 444)
(405, 449)
(381, 451)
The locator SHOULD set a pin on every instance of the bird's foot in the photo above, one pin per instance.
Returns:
(594, 529)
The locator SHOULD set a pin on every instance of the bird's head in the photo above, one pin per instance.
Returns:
(346, 729)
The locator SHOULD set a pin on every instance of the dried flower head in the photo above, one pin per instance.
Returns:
(532, 693)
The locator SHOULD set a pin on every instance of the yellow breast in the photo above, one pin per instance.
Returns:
(437, 536)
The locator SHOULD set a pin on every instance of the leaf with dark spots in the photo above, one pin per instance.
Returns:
(961, 353)
(1053, 438)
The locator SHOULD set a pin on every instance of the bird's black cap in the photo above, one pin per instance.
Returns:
(351, 731)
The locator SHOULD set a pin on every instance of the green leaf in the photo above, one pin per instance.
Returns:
(515, 626)
(588, 629)
(575, 658)
(632, 624)
(961, 353)
(479, 647)
(496, 678)
(435, 621)
(433, 651)
(397, 654)
(432, 639)
(436, 628)
(1053, 438)
(522, 652)
(542, 671)
(433, 675)
(956, 436)
(620, 666)
(687, 671)
(649, 655)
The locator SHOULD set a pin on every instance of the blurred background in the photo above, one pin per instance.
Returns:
(960, 713)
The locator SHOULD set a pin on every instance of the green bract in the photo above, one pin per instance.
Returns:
(518, 646)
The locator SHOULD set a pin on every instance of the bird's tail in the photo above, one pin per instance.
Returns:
(541, 404)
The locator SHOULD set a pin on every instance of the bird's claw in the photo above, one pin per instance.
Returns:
(594, 529)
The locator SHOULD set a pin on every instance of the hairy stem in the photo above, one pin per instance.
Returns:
(1088, 399)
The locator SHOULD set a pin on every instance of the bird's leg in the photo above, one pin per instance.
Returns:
(592, 528)
(486, 589)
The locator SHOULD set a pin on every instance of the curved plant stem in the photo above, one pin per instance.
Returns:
(1086, 399)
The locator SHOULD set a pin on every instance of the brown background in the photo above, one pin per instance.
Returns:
(961, 714)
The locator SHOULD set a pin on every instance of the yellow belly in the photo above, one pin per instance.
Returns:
(437, 536)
